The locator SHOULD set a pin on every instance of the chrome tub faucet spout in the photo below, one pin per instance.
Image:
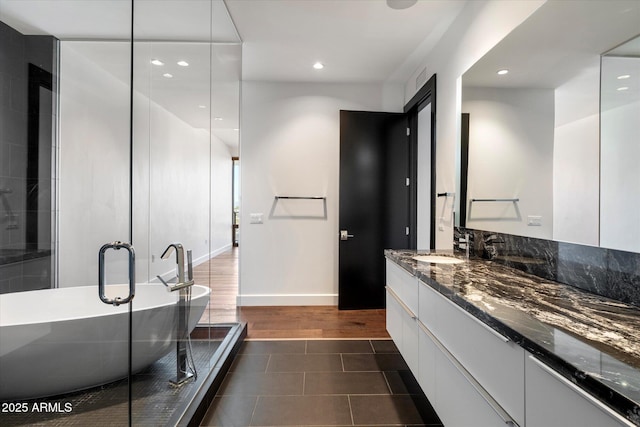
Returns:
(182, 280)
(179, 250)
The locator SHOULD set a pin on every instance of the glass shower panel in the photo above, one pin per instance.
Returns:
(66, 168)
(226, 60)
(172, 212)
(144, 161)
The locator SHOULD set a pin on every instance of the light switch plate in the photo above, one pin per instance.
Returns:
(534, 221)
(255, 218)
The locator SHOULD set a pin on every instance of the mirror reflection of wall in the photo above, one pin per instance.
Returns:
(620, 147)
(534, 131)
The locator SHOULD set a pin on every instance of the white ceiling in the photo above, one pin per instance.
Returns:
(555, 44)
(356, 40)
(167, 20)
(170, 30)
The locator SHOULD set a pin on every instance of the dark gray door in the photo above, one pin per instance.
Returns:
(374, 202)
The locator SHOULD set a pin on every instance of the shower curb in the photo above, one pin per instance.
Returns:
(197, 408)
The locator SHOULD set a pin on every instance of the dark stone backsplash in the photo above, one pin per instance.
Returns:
(611, 273)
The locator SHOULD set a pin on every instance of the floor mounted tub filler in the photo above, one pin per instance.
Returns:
(56, 341)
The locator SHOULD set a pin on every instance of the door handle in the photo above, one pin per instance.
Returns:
(344, 235)
(132, 273)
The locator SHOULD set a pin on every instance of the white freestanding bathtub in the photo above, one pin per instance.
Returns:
(55, 341)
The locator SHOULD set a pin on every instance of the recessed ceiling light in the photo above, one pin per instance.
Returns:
(624, 76)
(623, 88)
(318, 65)
(503, 72)
(157, 62)
(217, 119)
(167, 75)
(183, 63)
(236, 129)
(202, 106)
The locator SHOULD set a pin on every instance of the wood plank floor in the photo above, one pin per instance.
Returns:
(221, 274)
(313, 322)
(300, 322)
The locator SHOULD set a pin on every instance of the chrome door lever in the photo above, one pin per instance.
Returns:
(344, 235)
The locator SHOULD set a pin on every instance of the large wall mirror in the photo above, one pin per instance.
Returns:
(550, 154)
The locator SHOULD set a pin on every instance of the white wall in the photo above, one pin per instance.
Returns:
(576, 155)
(177, 170)
(478, 27)
(510, 156)
(178, 192)
(620, 151)
(94, 166)
(290, 146)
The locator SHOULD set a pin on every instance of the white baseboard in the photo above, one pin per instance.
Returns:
(212, 254)
(286, 299)
(169, 275)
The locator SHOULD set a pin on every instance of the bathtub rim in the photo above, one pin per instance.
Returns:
(204, 291)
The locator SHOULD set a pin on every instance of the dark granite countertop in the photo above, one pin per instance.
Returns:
(589, 339)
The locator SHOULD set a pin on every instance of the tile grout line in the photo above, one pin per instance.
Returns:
(253, 413)
(266, 369)
(350, 410)
(386, 380)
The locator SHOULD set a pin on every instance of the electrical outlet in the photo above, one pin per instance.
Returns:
(534, 221)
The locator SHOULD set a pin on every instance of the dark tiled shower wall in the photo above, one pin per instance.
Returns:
(25, 205)
(607, 272)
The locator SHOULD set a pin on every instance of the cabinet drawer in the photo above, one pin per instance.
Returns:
(410, 344)
(394, 320)
(427, 374)
(553, 401)
(458, 397)
(492, 359)
(428, 301)
(403, 330)
(403, 284)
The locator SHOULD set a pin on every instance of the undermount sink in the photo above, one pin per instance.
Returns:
(438, 259)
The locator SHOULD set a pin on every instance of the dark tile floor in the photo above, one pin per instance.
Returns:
(320, 383)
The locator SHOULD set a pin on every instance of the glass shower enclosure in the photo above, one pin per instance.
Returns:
(118, 123)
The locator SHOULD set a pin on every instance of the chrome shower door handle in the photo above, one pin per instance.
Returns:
(344, 235)
(132, 273)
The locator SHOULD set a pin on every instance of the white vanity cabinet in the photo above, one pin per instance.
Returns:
(479, 374)
(491, 359)
(457, 397)
(475, 376)
(554, 401)
(402, 309)
(418, 320)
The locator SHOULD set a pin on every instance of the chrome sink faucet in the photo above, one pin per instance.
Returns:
(464, 243)
(179, 250)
